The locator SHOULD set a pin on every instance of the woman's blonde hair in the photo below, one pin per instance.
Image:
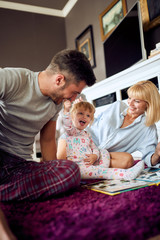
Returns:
(147, 91)
(86, 106)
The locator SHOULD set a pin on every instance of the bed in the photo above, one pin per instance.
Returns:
(88, 215)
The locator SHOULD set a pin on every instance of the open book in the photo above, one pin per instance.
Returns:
(148, 177)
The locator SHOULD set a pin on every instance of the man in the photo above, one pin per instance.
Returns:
(30, 103)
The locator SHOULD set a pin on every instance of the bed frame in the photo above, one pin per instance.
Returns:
(118, 83)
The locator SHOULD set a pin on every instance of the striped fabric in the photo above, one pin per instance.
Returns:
(30, 180)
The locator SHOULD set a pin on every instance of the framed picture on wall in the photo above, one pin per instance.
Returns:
(85, 43)
(111, 16)
(150, 10)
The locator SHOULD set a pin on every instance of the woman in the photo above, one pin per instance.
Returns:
(122, 128)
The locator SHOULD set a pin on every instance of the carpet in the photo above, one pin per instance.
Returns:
(83, 214)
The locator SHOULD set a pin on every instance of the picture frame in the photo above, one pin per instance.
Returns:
(111, 17)
(150, 11)
(85, 43)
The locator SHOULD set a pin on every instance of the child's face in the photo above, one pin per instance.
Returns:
(81, 118)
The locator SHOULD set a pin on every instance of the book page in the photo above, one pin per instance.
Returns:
(117, 185)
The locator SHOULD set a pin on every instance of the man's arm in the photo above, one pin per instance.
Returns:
(48, 141)
(61, 149)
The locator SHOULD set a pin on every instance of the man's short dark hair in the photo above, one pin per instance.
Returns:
(75, 63)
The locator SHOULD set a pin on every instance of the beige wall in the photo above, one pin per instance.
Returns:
(29, 40)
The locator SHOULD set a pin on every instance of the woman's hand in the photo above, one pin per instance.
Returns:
(68, 104)
(155, 159)
(91, 159)
(80, 99)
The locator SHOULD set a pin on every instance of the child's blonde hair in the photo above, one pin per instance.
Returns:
(86, 106)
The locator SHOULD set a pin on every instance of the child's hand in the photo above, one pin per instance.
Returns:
(91, 159)
(67, 106)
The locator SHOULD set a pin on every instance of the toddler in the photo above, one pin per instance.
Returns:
(77, 145)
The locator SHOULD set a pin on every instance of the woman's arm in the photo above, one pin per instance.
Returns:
(155, 159)
(146, 144)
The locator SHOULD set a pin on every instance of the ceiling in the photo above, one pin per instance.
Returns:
(59, 8)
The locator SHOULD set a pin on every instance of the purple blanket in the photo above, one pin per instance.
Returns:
(87, 215)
